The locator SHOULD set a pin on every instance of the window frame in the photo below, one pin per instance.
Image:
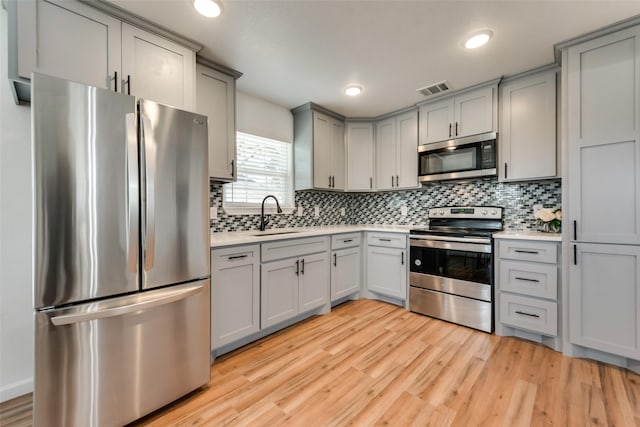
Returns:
(244, 208)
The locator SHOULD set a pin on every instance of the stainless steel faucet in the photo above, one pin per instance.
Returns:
(264, 221)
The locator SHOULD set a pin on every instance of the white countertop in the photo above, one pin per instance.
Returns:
(230, 238)
(528, 235)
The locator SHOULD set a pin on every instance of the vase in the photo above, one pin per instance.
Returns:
(549, 227)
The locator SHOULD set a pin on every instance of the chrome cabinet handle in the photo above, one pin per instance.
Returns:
(527, 314)
(525, 279)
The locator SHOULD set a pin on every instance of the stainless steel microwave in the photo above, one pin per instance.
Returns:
(469, 157)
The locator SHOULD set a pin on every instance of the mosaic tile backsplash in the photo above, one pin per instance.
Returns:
(517, 199)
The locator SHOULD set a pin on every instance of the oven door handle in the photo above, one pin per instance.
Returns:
(466, 245)
(422, 237)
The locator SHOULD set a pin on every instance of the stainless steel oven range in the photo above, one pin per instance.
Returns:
(451, 268)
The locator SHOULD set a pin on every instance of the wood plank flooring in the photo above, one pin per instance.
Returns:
(368, 363)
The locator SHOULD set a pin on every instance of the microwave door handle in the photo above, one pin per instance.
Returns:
(133, 206)
(149, 148)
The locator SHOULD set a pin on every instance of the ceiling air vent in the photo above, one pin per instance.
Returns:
(435, 88)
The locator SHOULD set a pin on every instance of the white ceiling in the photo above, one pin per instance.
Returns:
(293, 52)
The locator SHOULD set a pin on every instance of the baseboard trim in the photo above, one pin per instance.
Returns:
(14, 390)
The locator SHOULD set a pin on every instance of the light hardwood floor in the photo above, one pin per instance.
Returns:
(371, 363)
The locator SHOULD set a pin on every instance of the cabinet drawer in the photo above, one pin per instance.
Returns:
(388, 240)
(529, 313)
(534, 279)
(349, 240)
(223, 258)
(293, 248)
(528, 251)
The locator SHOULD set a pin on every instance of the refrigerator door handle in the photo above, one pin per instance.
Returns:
(149, 148)
(90, 313)
(132, 192)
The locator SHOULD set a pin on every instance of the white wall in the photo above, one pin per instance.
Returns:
(263, 118)
(16, 318)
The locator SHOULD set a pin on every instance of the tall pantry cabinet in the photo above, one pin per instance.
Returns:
(602, 195)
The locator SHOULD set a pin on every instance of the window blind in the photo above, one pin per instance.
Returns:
(263, 167)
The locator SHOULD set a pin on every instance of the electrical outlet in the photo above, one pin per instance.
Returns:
(342, 212)
(300, 210)
(536, 208)
(403, 210)
(316, 211)
(213, 212)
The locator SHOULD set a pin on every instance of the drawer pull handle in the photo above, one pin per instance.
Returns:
(520, 251)
(527, 314)
(237, 256)
(385, 240)
(527, 279)
(335, 260)
(347, 240)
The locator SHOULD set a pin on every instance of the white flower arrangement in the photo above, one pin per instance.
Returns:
(549, 218)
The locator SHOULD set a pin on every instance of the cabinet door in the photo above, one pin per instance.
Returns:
(387, 271)
(314, 281)
(528, 128)
(345, 272)
(407, 150)
(436, 121)
(70, 41)
(386, 154)
(473, 112)
(337, 155)
(157, 69)
(359, 156)
(235, 294)
(322, 133)
(216, 100)
(279, 292)
(604, 298)
(603, 133)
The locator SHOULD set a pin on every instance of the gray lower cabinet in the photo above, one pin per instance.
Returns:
(346, 265)
(527, 290)
(295, 278)
(604, 297)
(386, 264)
(235, 294)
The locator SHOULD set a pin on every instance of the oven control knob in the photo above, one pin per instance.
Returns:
(494, 212)
(441, 212)
(484, 212)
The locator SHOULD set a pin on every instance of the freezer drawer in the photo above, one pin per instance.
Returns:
(110, 362)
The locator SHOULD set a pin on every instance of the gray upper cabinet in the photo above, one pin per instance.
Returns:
(74, 41)
(396, 144)
(468, 112)
(360, 156)
(527, 146)
(318, 148)
(216, 94)
(69, 40)
(603, 100)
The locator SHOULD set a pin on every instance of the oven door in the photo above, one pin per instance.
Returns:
(459, 268)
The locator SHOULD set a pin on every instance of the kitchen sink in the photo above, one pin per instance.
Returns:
(273, 232)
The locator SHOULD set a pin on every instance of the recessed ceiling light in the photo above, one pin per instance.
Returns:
(208, 8)
(353, 90)
(478, 39)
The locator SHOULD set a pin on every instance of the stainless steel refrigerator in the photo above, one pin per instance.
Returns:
(121, 254)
